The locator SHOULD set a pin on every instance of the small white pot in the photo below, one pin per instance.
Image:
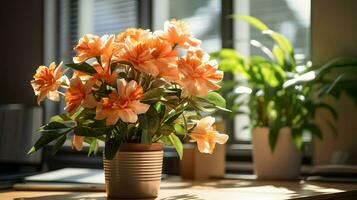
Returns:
(283, 163)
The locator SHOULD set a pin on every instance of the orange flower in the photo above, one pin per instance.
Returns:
(153, 56)
(198, 74)
(46, 82)
(81, 75)
(127, 44)
(102, 73)
(124, 104)
(206, 136)
(77, 142)
(90, 46)
(79, 93)
(164, 58)
(138, 54)
(134, 34)
(105, 74)
(176, 33)
(108, 48)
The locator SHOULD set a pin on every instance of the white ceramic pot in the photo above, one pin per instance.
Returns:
(134, 172)
(283, 163)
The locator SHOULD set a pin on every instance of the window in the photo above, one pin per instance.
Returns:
(75, 18)
(79, 17)
(288, 17)
(203, 17)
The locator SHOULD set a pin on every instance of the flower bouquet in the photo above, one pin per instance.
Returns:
(133, 91)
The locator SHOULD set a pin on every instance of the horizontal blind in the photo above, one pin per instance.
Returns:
(114, 16)
(107, 17)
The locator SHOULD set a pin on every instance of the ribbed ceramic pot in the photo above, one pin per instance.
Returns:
(134, 172)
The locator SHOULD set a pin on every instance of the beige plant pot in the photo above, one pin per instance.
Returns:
(134, 172)
(283, 163)
(201, 166)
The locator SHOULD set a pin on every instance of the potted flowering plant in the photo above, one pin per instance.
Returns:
(280, 107)
(135, 93)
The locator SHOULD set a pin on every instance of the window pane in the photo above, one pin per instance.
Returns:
(79, 17)
(288, 17)
(114, 16)
(203, 17)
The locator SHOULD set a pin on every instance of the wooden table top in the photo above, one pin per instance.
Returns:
(175, 189)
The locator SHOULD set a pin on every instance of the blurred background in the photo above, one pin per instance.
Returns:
(36, 32)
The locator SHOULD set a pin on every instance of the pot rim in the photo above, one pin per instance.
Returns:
(138, 147)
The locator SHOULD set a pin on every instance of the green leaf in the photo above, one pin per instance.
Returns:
(166, 130)
(166, 140)
(52, 126)
(223, 109)
(60, 118)
(282, 41)
(46, 138)
(329, 108)
(149, 123)
(313, 129)
(90, 132)
(229, 53)
(332, 85)
(279, 55)
(348, 64)
(176, 142)
(254, 22)
(146, 137)
(215, 99)
(180, 130)
(172, 117)
(81, 111)
(303, 78)
(264, 49)
(274, 130)
(111, 147)
(297, 137)
(59, 143)
(153, 95)
(273, 138)
(93, 147)
(83, 67)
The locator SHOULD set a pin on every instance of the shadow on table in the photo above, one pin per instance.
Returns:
(182, 197)
(290, 189)
(91, 197)
(64, 196)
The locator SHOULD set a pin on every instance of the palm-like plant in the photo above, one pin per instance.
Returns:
(274, 100)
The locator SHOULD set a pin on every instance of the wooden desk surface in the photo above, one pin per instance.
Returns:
(174, 189)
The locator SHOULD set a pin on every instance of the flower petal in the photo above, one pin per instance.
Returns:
(203, 146)
(89, 101)
(112, 118)
(53, 95)
(206, 122)
(127, 115)
(139, 108)
(77, 142)
(220, 138)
